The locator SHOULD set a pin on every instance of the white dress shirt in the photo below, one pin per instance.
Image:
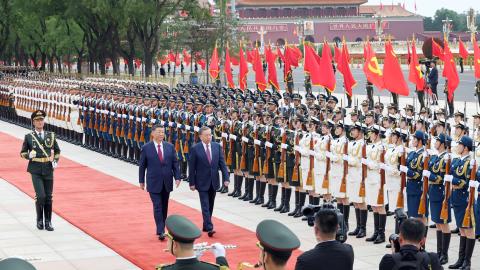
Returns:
(161, 146)
(209, 148)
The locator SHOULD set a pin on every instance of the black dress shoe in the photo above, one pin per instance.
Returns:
(48, 226)
(40, 224)
(161, 237)
(211, 233)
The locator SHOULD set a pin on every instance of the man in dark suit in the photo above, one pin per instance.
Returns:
(206, 159)
(329, 253)
(433, 79)
(160, 161)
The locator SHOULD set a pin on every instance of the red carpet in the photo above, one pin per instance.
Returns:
(117, 213)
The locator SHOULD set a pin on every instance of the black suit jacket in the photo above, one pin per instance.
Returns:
(327, 255)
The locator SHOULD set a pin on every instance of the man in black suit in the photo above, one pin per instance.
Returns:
(433, 79)
(206, 159)
(329, 253)
(412, 238)
(159, 159)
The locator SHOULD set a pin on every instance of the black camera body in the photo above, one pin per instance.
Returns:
(310, 212)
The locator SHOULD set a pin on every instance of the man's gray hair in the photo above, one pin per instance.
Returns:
(203, 129)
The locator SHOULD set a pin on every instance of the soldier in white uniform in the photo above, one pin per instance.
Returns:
(374, 185)
(322, 177)
(354, 178)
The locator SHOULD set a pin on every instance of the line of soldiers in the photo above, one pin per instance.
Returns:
(394, 160)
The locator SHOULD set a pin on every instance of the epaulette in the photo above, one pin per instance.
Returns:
(163, 266)
(215, 265)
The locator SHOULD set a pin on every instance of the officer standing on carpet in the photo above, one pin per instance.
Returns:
(181, 235)
(37, 148)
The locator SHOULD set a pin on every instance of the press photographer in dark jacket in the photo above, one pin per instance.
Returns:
(410, 255)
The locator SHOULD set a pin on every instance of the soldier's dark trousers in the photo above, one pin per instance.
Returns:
(43, 185)
(395, 99)
(421, 98)
(370, 98)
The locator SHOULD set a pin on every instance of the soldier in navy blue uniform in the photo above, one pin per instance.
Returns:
(436, 194)
(414, 170)
(460, 175)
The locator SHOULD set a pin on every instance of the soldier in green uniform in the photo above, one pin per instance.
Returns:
(181, 235)
(37, 148)
(276, 243)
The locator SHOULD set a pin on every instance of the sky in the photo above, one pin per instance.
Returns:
(428, 7)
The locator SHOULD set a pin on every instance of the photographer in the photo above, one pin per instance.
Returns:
(407, 253)
(329, 253)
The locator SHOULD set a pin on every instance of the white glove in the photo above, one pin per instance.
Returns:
(218, 250)
(426, 173)
(54, 164)
(384, 166)
(448, 178)
(32, 154)
(403, 169)
(199, 253)
(473, 183)
(328, 154)
(364, 161)
(399, 149)
(345, 157)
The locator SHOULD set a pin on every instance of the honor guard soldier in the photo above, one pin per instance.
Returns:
(276, 243)
(354, 182)
(339, 171)
(436, 194)
(181, 236)
(37, 147)
(297, 178)
(414, 169)
(460, 174)
(369, 89)
(374, 186)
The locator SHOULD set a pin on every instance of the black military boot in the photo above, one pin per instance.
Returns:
(301, 203)
(261, 194)
(282, 200)
(269, 201)
(235, 183)
(439, 243)
(362, 232)
(48, 217)
(376, 226)
(257, 192)
(461, 254)
(357, 218)
(224, 190)
(39, 209)
(247, 185)
(286, 206)
(346, 214)
(297, 202)
(467, 262)
(382, 220)
(445, 246)
(249, 191)
(273, 201)
(239, 187)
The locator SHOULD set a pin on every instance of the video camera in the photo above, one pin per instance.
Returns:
(310, 212)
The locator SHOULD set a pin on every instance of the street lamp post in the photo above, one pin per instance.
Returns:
(378, 26)
(447, 27)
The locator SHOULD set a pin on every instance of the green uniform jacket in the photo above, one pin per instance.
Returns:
(39, 164)
(195, 264)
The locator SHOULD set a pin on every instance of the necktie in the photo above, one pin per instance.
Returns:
(160, 154)
(41, 135)
(208, 154)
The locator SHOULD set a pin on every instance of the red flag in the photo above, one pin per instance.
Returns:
(202, 63)
(450, 71)
(344, 67)
(214, 68)
(187, 58)
(437, 50)
(393, 79)
(272, 70)
(171, 56)
(371, 68)
(311, 66)
(250, 57)
(326, 69)
(234, 61)
(243, 70)
(462, 50)
(228, 69)
(337, 55)
(280, 54)
(415, 75)
(259, 74)
(292, 55)
(476, 58)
